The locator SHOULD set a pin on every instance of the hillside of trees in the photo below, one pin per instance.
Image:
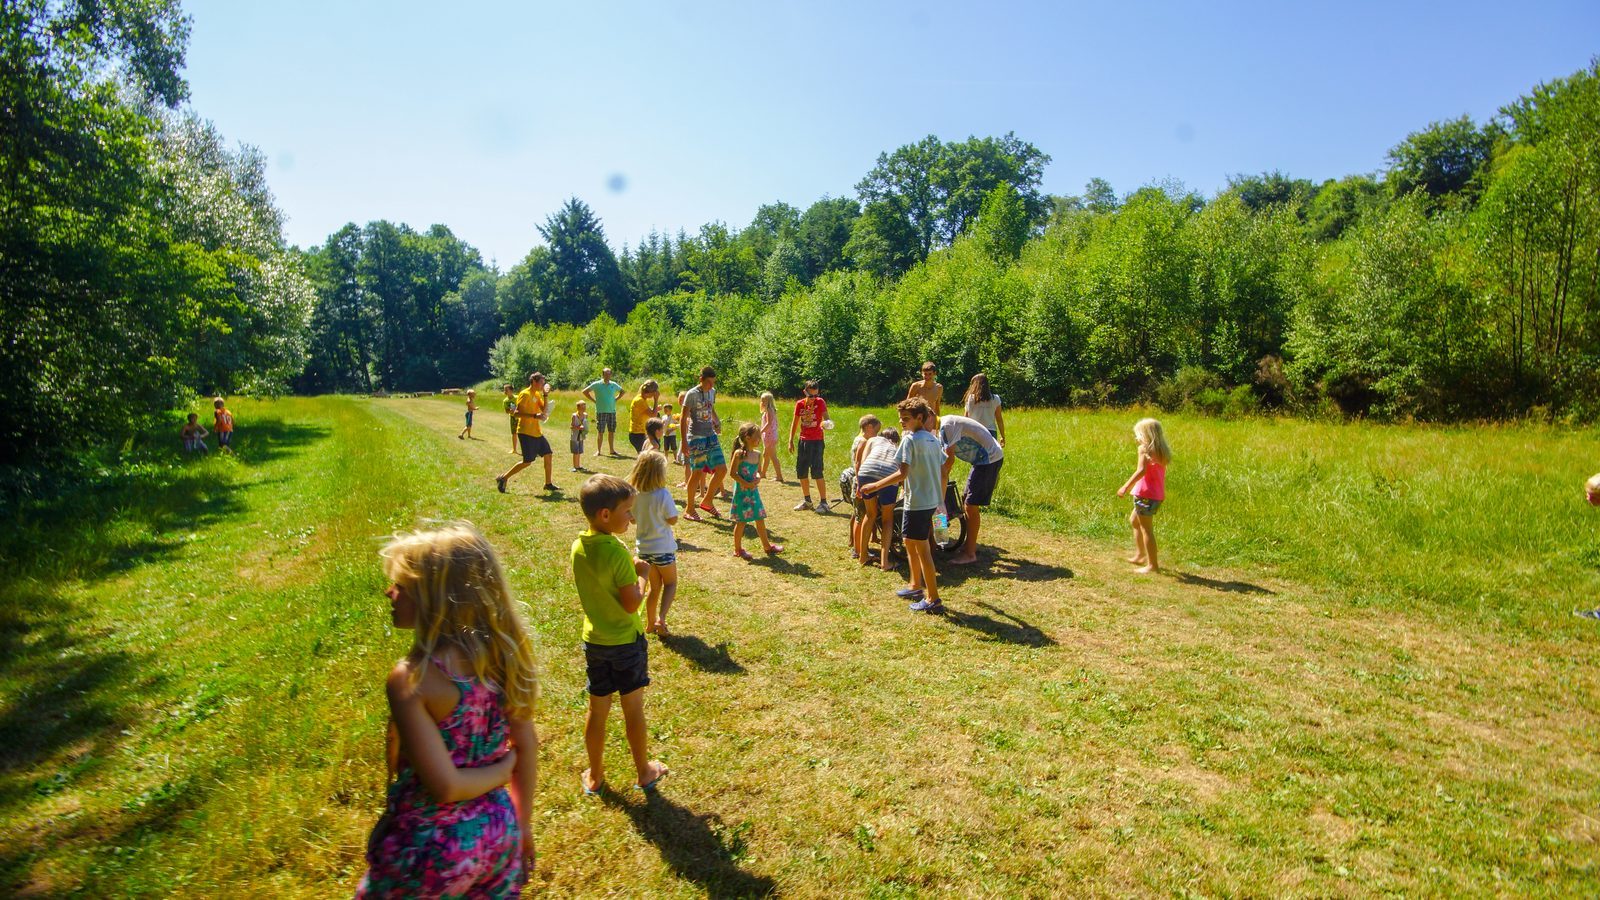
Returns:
(145, 261)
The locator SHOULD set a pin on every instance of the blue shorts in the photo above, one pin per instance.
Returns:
(886, 497)
(705, 454)
(660, 560)
(469, 418)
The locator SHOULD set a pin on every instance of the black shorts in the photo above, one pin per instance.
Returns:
(619, 669)
(980, 483)
(637, 440)
(917, 524)
(808, 462)
(671, 444)
(533, 447)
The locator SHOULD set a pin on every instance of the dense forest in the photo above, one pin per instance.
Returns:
(145, 261)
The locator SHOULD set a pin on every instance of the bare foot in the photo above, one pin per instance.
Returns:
(652, 774)
(592, 785)
(963, 560)
(1136, 560)
(1147, 570)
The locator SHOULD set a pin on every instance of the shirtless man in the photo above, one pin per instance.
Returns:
(928, 389)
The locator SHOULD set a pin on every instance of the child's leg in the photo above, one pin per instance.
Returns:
(646, 768)
(669, 590)
(594, 739)
(914, 556)
(650, 600)
(1149, 523)
(1138, 539)
(761, 532)
(930, 575)
(885, 535)
(738, 536)
(777, 464)
(863, 527)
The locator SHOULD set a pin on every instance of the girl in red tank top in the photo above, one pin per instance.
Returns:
(1149, 486)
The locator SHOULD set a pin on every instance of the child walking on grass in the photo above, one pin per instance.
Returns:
(769, 435)
(614, 649)
(1149, 485)
(222, 425)
(463, 754)
(472, 407)
(747, 506)
(810, 418)
(656, 545)
(669, 429)
(580, 427)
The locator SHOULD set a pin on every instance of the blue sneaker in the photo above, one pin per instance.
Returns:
(909, 592)
(926, 606)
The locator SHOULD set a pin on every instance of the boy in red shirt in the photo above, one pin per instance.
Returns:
(810, 418)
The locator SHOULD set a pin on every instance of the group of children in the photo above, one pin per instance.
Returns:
(194, 434)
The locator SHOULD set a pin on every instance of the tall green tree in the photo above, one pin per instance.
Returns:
(823, 233)
(1442, 159)
(581, 279)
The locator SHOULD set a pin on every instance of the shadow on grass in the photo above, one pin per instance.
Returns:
(1006, 628)
(1228, 587)
(994, 563)
(697, 846)
(72, 686)
(783, 566)
(702, 655)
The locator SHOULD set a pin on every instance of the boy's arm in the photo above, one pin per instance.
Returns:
(630, 598)
(525, 781)
(424, 747)
(949, 463)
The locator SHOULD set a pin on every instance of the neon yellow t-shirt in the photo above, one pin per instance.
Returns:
(601, 568)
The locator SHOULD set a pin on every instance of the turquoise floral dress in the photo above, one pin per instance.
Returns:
(468, 849)
(747, 502)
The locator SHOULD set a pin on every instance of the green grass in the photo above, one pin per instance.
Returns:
(1360, 675)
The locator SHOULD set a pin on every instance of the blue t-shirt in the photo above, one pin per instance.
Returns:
(605, 396)
(924, 455)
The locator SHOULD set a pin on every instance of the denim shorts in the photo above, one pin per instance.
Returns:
(1145, 507)
(660, 560)
(620, 669)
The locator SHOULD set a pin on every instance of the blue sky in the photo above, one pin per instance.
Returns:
(671, 114)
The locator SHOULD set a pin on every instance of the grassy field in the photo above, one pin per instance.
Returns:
(1359, 675)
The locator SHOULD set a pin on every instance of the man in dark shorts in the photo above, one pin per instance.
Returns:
(969, 440)
(533, 407)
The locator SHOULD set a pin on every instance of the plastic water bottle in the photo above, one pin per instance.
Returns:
(941, 527)
(827, 424)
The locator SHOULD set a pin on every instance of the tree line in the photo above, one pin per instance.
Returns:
(145, 261)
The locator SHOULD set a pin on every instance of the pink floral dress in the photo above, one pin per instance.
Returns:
(468, 849)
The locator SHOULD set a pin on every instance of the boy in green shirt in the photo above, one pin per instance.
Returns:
(614, 650)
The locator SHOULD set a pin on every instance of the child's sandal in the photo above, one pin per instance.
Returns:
(743, 554)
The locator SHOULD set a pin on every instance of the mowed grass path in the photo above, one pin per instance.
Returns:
(192, 694)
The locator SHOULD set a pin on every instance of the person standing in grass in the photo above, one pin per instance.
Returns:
(1591, 492)
(222, 424)
(769, 435)
(472, 407)
(669, 432)
(921, 459)
(1149, 485)
(747, 506)
(928, 388)
(462, 750)
(604, 394)
(702, 446)
(580, 427)
(653, 429)
(810, 412)
(966, 439)
(640, 411)
(511, 412)
(878, 460)
(614, 649)
(533, 407)
(983, 405)
(656, 513)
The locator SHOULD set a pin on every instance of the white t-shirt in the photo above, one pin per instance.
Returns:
(921, 453)
(970, 440)
(982, 411)
(651, 512)
(878, 461)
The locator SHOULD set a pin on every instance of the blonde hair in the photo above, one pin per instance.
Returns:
(463, 601)
(769, 402)
(649, 472)
(1152, 441)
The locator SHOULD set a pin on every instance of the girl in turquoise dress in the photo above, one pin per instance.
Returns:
(747, 505)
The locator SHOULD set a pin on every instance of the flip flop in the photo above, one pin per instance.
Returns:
(712, 510)
(743, 554)
(590, 791)
(651, 786)
(693, 516)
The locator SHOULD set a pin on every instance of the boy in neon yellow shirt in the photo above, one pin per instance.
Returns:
(614, 650)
